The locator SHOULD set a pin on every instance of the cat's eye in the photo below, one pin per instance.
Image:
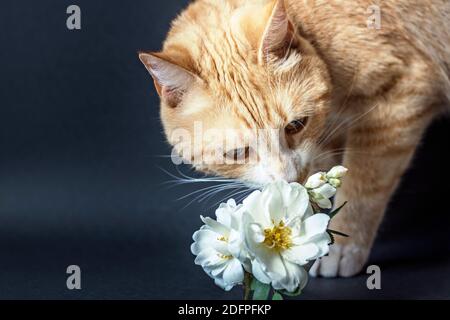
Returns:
(237, 154)
(296, 126)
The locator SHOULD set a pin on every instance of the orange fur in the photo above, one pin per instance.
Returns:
(265, 63)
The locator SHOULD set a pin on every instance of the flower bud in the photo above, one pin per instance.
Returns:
(322, 195)
(335, 182)
(316, 180)
(337, 172)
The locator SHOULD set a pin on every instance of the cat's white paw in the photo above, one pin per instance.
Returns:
(342, 261)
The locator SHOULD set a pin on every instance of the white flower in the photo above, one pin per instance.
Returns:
(335, 182)
(316, 180)
(322, 195)
(282, 234)
(323, 186)
(337, 172)
(219, 246)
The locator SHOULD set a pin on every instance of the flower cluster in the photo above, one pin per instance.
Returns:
(272, 235)
(322, 186)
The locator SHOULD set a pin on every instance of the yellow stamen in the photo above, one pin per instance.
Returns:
(279, 237)
(225, 257)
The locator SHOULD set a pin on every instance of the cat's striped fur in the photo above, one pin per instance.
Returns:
(369, 93)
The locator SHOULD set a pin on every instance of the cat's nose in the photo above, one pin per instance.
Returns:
(292, 175)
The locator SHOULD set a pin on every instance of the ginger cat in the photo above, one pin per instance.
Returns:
(335, 90)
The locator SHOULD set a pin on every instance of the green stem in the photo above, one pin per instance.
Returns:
(247, 285)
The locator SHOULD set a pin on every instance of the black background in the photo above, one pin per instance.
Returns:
(80, 179)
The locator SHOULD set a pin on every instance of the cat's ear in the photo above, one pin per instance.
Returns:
(171, 80)
(278, 35)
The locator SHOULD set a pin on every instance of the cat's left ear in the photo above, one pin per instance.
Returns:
(279, 35)
(171, 80)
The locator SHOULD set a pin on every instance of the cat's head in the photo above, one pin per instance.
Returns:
(239, 84)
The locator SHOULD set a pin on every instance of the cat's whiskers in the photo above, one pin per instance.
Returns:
(333, 151)
(336, 152)
(209, 189)
(219, 190)
(162, 156)
(345, 125)
(184, 179)
(244, 195)
(203, 194)
(343, 106)
(233, 194)
(225, 197)
(208, 194)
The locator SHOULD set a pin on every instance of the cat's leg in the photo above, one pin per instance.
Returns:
(380, 146)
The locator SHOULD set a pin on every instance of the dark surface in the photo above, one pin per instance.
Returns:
(80, 181)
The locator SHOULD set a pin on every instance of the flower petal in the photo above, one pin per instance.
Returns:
(236, 246)
(296, 278)
(218, 269)
(206, 238)
(271, 262)
(324, 203)
(221, 283)
(297, 200)
(323, 242)
(285, 200)
(207, 258)
(326, 191)
(236, 218)
(316, 224)
(316, 180)
(225, 212)
(234, 273)
(255, 233)
(276, 205)
(259, 273)
(301, 254)
(309, 212)
(216, 226)
(337, 172)
(256, 205)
